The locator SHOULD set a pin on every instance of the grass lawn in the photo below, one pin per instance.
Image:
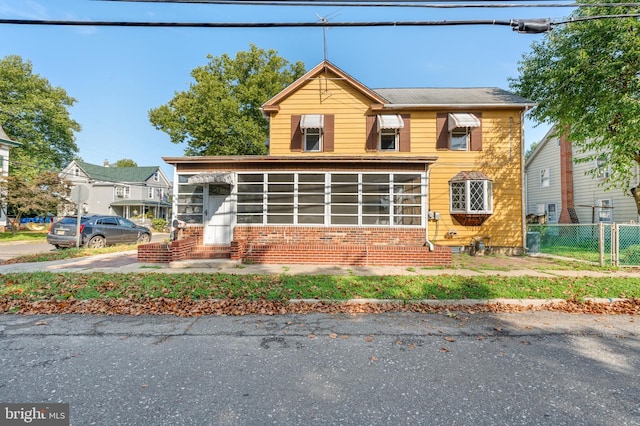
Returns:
(39, 286)
(39, 236)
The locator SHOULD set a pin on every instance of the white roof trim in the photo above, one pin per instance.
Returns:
(389, 121)
(312, 121)
(462, 119)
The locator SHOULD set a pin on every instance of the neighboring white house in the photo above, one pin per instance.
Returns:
(5, 145)
(561, 189)
(123, 191)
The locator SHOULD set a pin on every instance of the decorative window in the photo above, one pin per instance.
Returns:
(605, 210)
(460, 131)
(149, 192)
(156, 177)
(545, 180)
(123, 191)
(471, 198)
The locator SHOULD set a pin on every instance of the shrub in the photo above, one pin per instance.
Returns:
(158, 224)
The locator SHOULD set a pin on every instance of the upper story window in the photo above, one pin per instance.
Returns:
(123, 191)
(312, 126)
(388, 132)
(149, 192)
(312, 133)
(603, 170)
(389, 127)
(545, 179)
(156, 176)
(460, 131)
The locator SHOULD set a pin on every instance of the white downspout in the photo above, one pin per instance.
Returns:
(427, 170)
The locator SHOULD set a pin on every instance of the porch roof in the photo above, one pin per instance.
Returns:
(146, 203)
(292, 160)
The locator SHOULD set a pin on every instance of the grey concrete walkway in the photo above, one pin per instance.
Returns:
(127, 262)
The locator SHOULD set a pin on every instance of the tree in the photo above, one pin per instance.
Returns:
(584, 77)
(125, 162)
(38, 195)
(36, 114)
(220, 113)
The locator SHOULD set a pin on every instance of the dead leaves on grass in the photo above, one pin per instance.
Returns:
(237, 307)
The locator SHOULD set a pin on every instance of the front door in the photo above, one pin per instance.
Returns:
(218, 229)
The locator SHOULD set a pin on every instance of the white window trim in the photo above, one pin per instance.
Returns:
(125, 190)
(551, 219)
(314, 131)
(488, 197)
(396, 142)
(605, 214)
(545, 178)
(602, 172)
(467, 131)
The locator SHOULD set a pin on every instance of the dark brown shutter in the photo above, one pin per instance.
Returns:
(476, 135)
(405, 134)
(442, 133)
(296, 133)
(327, 137)
(372, 134)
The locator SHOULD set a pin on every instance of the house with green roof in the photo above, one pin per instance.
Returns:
(123, 191)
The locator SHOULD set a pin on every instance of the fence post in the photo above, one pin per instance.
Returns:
(601, 242)
(615, 244)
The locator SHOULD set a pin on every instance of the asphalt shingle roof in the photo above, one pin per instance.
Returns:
(117, 174)
(452, 96)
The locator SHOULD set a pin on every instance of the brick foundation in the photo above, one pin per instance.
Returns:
(312, 245)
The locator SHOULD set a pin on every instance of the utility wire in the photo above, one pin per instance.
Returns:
(359, 3)
(514, 23)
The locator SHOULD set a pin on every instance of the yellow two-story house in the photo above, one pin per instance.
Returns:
(364, 176)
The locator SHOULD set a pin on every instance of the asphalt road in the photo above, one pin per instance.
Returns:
(539, 368)
(20, 248)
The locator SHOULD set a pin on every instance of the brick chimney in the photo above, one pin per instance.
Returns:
(567, 214)
(106, 163)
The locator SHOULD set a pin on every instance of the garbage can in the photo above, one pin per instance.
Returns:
(533, 242)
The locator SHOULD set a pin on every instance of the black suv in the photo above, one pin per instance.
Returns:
(97, 231)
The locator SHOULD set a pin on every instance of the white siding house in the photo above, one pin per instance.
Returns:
(5, 144)
(563, 190)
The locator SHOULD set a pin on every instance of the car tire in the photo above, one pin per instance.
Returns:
(144, 238)
(96, 242)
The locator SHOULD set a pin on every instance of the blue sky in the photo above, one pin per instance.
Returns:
(118, 74)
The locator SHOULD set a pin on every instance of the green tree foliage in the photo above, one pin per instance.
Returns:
(220, 112)
(39, 195)
(36, 114)
(585, 78)
(125, 162)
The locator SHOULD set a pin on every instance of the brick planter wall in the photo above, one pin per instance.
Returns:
(311, 245)
(336, 245)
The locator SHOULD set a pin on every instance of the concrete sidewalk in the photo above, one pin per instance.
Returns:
(123, 262)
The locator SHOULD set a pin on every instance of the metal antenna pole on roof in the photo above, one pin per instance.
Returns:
(324, 34)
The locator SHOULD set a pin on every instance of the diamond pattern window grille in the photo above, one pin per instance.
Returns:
(476, 196)
(458, 199)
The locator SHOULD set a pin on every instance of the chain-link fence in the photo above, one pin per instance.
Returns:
(606, 244)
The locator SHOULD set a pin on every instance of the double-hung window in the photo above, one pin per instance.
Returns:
(312, 126)
(460, 125)
(544, 178)
(389, 127)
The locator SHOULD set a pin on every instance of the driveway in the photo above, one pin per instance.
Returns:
(537, 368)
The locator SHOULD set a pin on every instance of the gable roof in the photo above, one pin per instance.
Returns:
(551, 134)
(390, 98)
(4, 139)
(117, 174)
(323, 67)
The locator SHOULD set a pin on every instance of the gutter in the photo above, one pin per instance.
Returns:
(426, 213)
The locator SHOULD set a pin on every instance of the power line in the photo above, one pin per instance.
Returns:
(452, 4)
(520, 25)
